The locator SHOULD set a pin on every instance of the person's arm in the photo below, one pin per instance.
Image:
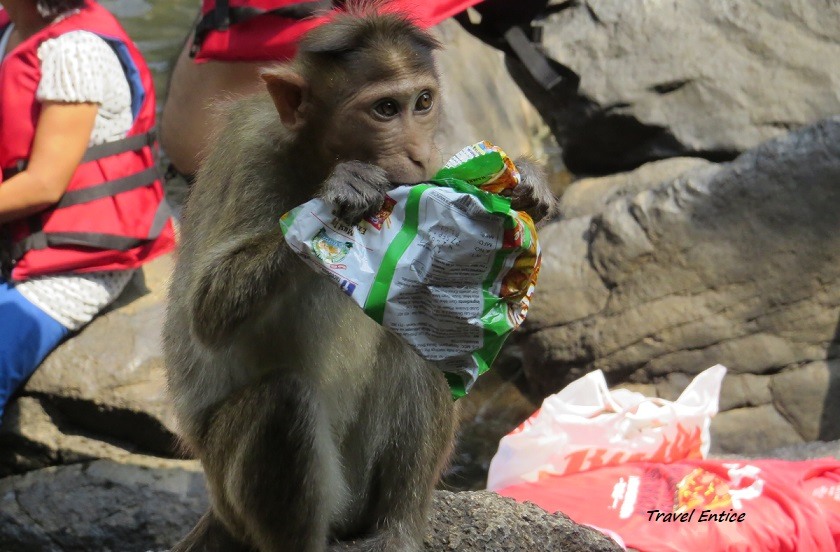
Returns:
(61, 138)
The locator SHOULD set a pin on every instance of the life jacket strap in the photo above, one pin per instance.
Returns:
(109, 188)
(510, 27)
(534, 60)
(129, 143)
(100, 151)
(11, 253)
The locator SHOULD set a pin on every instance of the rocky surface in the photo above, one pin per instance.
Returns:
(495, 405)
(135, 505)
(100, 393)
(35, 435)
(142, 504)
(737, 264)
(481, 101)
(484, 521)
(651, 80)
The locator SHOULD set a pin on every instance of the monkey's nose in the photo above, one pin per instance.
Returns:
(420, 157)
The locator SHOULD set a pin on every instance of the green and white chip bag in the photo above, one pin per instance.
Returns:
(446, 265)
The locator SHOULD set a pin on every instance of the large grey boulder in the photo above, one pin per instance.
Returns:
(143, 503)
(737, 264)
(697, 77)
(136, 505)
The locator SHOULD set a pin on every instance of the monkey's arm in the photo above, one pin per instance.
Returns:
(235, 283)
(357, 190)
(533, 195)
(239, 276)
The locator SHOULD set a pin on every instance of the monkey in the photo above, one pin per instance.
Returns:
(316, 427)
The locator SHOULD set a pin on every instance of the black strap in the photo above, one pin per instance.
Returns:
(505, 25)
(532, 58)
(129, 143)
(162, 216)
(108, 188)
(9, 172)
(223, 16)
(42, 240)
(100, 151)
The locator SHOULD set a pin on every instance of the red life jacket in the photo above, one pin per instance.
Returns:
(113, 215)
(269, 30)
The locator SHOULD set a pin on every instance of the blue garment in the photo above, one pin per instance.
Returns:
(27, 335)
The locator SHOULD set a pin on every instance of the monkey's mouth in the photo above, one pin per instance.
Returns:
(397, 184)
(409, 179)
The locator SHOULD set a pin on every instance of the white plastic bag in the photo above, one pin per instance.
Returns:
(587, 426)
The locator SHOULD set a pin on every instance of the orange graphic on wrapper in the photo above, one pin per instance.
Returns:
(701, 489)
(381, 218)
(519, 283)
(506, 179)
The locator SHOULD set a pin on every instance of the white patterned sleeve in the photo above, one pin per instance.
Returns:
(75, 68)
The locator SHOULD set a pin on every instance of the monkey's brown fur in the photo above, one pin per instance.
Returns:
(313, 423)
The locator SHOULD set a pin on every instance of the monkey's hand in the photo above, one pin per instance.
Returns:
(532, 194)
(357, 189)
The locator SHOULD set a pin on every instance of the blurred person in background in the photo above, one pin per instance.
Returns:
(81, 204)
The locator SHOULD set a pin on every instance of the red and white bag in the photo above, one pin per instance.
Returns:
(587, 426)
(708, 505)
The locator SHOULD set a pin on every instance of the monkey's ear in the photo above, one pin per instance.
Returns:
(288, 89)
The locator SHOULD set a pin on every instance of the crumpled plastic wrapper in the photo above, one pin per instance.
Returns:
(447, 265)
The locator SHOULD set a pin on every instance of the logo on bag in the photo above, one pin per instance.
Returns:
(329, 250)
(702, 489)
(382, 217)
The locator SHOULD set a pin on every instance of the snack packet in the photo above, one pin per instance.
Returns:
(447, 265)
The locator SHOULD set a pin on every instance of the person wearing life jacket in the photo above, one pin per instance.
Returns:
(81, 204)
(230, 43)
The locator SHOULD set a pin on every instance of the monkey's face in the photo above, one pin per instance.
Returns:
(390, 123)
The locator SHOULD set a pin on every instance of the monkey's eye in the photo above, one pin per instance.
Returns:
(386, 109)
(424, 101)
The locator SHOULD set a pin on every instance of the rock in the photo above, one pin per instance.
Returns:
(144, 503)
(30, 439)
(751, 430)
(744, 390)
(650, 80)
(806, 451)
(589, 196)
(109, 378)
(481, 521)
(138, 505)
(737, 264)
(481, 101)
(806, 396)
